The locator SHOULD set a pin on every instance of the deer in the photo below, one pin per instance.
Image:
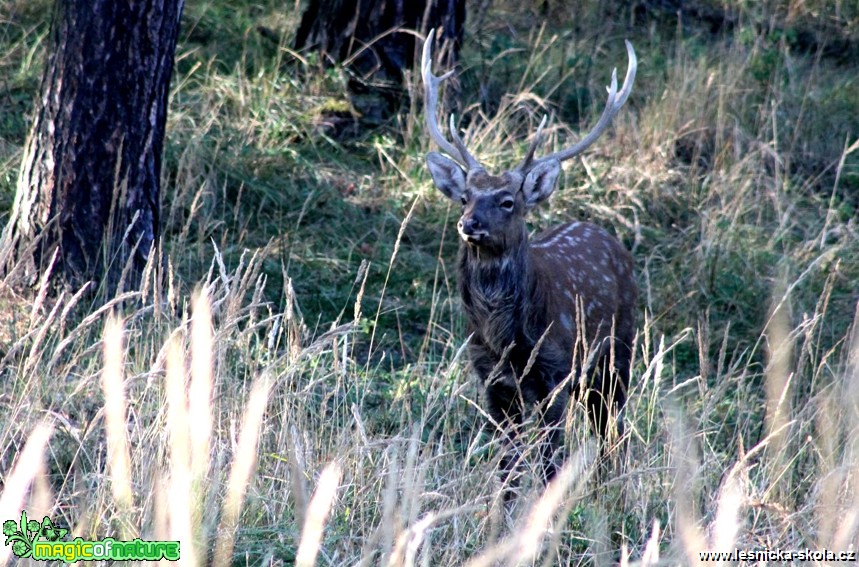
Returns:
(549, 316)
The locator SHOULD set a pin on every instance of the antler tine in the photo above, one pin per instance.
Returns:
(630, 76)
(431, 83)
(535, 143)
(469, 161)
(614, 103)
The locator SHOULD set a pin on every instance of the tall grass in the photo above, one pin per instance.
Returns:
(290, 385)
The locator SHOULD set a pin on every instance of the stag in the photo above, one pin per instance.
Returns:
(551, 316)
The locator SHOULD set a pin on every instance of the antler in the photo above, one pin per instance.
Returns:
(457, 150)
(614, 103)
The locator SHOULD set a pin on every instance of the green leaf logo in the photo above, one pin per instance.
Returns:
(22, 535)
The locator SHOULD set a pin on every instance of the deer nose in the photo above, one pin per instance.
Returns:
(469, 225)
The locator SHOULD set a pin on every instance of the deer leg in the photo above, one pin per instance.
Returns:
(606, 399)
(552, 419)
(622, 363)
(598, 411)
(504, 406)
(546, 390)
(594, 383)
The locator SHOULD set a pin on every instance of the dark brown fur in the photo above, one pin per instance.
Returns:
(565, 302)
(512, 298)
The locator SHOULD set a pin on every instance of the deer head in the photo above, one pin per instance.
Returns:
(495, 205)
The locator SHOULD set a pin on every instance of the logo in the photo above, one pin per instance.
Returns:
(43, 542)
(24, 536)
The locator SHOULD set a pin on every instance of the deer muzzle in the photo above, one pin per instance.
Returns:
(471, 230)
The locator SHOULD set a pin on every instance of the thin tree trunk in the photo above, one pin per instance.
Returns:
(87, 202)
(376, 38)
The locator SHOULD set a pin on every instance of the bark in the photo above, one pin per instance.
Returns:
(371, 36)
(87, 202)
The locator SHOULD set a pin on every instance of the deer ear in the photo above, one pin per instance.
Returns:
(447, 175)
(540, 182)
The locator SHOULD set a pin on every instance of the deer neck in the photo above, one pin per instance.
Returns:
(498, 294)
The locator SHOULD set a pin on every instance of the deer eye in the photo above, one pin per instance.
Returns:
(507, 204)
(464, 199)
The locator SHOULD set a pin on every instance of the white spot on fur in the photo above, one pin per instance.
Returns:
(557, 237)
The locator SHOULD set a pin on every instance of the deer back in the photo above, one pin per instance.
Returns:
(587, 283)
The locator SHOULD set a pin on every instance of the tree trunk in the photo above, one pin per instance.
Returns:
(371, 36)
(87, 202)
